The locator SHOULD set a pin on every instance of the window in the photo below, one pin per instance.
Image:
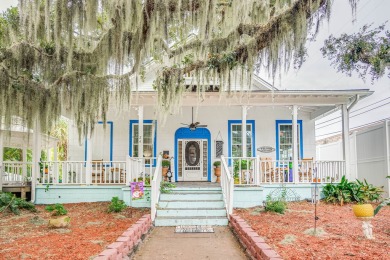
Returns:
(235, 138)
(149, 138)
(284, 139)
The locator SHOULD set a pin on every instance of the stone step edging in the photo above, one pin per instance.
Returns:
(128, 241)
(254, 245)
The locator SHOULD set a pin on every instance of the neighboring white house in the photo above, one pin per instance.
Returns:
(370, 154)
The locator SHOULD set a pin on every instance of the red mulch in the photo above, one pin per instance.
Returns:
(91, 229)
(343, 238)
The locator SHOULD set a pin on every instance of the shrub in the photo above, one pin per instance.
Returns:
(277, 205)
(116, 205)
(9, 201)
(363, 192)
(217, 164)
(345, 191)
(56, 209)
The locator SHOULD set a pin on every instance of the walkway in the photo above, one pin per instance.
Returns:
(163, 243)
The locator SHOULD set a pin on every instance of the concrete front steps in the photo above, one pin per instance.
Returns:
(192, 206)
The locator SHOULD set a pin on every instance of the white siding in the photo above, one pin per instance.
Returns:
(216, 118)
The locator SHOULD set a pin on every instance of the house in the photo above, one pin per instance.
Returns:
(370, 153)
(16, 175)
(277, 150)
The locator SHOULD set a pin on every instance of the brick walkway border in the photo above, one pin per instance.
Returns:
(254, 245)
(128, 241)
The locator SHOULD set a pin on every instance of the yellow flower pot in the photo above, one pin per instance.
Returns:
(363, 210)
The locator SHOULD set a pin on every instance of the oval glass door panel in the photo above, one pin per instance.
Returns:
(192, 153)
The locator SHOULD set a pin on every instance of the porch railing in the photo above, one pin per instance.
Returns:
(258, 170)
(281, 171)
(79, 172)
(243, 171)
(155, 188)
(227, 184)
(141, 169)
(16, 172)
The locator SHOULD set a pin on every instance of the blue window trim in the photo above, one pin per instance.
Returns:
(289, 122)
(198, 133)
(111, 125)
(132, 122)
(235, 122)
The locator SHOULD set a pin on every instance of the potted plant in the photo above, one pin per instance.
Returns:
(217, 170)
(363, 193)
(165, 164)
(243, 166)
(58, 218)
(236, 178)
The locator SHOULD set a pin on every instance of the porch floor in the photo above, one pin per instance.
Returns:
(197, 184)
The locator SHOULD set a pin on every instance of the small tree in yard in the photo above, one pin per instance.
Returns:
(116, 205)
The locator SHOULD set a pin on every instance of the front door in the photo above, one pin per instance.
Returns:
(192, 159)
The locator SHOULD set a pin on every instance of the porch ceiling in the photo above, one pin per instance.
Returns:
(315, 102)
(20, 139)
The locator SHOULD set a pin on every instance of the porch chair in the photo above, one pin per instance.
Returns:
(98, 171)
(117, 175)
(267, 169)
(305, 170)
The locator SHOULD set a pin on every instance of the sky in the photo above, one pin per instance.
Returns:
(317, 72)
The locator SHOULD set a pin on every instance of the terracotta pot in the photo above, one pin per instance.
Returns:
(59, 222)
(363, 210)
(164, 173)
(217, 172)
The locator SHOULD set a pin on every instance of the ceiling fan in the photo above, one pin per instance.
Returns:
(193, 125)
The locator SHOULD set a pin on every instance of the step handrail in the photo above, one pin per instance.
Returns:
(227, 185)
(155, 188)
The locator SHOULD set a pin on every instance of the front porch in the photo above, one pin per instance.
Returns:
(253, 178)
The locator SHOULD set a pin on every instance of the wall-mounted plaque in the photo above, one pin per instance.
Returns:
(266, 149)
(218, 149)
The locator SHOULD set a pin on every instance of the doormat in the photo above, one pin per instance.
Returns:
(194, 229)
